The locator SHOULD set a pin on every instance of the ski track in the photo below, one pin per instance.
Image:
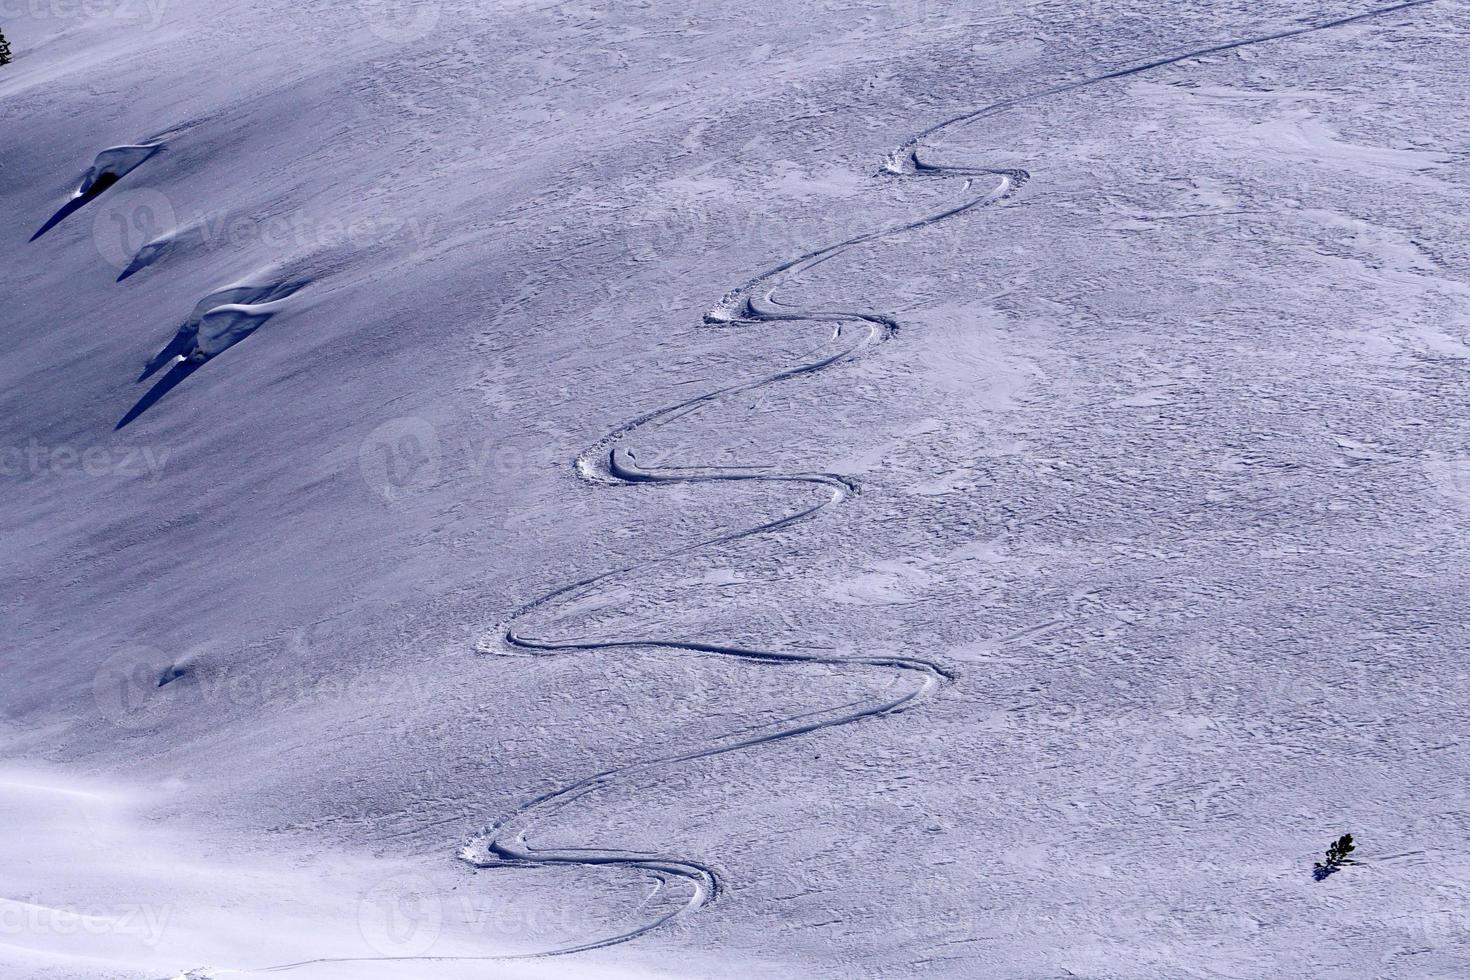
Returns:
(504, 843)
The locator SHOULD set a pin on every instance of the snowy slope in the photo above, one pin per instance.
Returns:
(821, 488)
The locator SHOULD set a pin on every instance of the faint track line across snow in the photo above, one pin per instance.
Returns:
(504, 843)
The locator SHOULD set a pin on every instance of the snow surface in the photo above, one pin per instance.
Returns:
(829, 488)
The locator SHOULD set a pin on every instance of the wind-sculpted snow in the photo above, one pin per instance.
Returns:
(852, 333)
(111, 165)
(219, 321)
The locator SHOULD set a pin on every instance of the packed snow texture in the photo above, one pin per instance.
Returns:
(824, 488)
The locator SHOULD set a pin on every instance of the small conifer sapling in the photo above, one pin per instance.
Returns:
(1337, 856)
